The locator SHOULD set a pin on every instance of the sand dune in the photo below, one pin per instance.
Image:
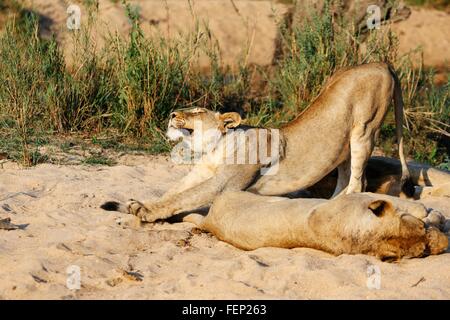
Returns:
(247, 25)
(57, 209)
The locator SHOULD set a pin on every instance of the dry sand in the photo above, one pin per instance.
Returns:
(429, 30)
(57, 207)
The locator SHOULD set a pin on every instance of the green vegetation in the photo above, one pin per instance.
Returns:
(126, 91)
(98, 160)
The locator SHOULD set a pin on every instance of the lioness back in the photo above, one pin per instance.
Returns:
(351, 107)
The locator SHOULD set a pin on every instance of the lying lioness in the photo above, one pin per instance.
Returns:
(365, 223)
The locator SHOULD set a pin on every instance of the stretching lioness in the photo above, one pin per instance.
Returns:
(337, 130)
(363, 223)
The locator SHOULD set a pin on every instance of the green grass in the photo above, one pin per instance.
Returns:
(98, 160)
(120, 97)
(445, 165)
(12, 145)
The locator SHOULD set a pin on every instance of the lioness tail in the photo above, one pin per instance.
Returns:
(407, 184)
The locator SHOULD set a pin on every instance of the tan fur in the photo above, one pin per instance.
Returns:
(364, 223)
(337, 130)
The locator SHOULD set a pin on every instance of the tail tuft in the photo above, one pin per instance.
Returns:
(111, 206)
(408, 188)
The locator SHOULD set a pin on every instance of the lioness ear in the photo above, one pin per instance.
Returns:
(230, 119)
(379, 207)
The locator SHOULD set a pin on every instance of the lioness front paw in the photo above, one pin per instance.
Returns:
(149, 217)
(139, 210)
(136, 208)
(435, 218)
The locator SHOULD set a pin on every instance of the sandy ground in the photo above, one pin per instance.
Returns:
(57, 208)
(249, 25)
(430, 31)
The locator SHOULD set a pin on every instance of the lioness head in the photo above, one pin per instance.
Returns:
(206, 125)
(362, 224)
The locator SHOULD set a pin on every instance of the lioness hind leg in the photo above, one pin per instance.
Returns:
(343, 177)
(361, 146)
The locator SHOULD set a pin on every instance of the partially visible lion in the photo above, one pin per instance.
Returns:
(337, 130)
(384, 177)
(361, 223)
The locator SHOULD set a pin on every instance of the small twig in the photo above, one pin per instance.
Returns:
(417, 283)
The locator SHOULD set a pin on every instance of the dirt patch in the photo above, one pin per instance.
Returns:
(428, 29)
